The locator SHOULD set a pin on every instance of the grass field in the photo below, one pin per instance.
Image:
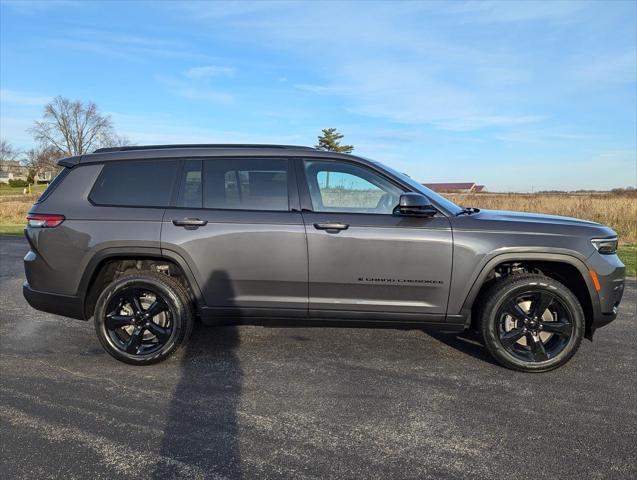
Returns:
(11, 229)
(617, 211)
(5, 189)
(628, 255)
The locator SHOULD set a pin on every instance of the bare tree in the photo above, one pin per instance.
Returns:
(40, 160)
(120, 141)
(7, 153)
(73, 127)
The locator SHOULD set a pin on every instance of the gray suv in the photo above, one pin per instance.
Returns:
(146, 239)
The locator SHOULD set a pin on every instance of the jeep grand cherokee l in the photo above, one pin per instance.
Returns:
(146, 239)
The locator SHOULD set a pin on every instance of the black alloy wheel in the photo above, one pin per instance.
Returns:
(534, 326)
(139, 320)
(142, 318)
(531, 322)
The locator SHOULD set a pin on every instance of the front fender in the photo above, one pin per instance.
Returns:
(462, 302)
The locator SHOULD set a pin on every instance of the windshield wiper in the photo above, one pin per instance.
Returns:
(467, 211)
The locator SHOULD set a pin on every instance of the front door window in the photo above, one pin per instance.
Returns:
(346, 188)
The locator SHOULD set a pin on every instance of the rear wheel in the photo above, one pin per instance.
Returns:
(143, 318)
(531, 322)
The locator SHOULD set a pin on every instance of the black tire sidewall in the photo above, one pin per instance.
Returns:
(170, 295)
(501, 293)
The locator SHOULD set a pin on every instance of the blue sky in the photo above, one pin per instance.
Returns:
(519, 96)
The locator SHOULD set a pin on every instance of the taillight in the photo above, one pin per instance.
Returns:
(44, 221)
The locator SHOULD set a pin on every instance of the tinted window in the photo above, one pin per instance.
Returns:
(190, 185)
(135, 184)
(246, 184)
(344, 187)
(54, 184)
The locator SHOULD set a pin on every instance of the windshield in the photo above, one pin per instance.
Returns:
(448, 205)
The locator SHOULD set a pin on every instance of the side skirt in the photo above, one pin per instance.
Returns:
(300, 319)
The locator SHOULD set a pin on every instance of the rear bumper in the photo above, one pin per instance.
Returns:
(65, 305)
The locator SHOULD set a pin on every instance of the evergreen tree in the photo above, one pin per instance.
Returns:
(330, 141)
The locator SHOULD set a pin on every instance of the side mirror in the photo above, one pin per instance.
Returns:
(415, 205)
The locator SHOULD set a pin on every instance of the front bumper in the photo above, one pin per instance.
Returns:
(65, 305)
(611, 274)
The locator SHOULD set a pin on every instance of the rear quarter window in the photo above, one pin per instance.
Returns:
(146, 183)
(54, 184)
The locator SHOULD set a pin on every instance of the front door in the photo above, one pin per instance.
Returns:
(364, 261)
(233, 223)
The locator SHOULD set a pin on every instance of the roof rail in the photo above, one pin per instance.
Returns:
(198, 145)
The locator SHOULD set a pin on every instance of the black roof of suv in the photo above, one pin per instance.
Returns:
(141, 152)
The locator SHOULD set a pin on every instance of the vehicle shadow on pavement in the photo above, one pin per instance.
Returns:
(201, 436)
(465, 342)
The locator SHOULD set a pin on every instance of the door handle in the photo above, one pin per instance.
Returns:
(190, 223)
(331, 226)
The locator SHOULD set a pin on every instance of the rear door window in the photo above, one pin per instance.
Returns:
(146, 183)
(235, 184)
(190, 185)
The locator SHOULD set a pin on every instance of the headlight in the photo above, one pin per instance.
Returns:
(605, 246)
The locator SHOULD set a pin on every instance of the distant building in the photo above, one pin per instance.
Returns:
(44, 176)
(461, 187)
(12, 170)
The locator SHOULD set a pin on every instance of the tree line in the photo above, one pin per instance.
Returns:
(72, 127)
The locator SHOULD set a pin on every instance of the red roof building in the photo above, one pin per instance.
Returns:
(459, 187)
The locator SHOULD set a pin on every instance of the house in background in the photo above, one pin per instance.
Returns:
(44, 176)
(461, 187)
(12, 170)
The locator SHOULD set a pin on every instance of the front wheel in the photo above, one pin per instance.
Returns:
(531, 323)
(143, 318)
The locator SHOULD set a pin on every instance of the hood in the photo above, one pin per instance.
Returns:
(503, 215)
(533, 223)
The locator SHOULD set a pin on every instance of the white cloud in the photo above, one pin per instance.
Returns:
(22, 98)
(381, 63)
(614, 68)
(31, 7)
(407, 93)
(500, 11)
(209, 71)
(121, 45)
(15, 131)
(196, 91)
(206, 94)
(166, 129)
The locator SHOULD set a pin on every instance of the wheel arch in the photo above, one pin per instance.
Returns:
(566, 269)
(100, 268)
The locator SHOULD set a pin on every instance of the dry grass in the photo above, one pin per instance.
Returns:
(617, 211)
(14, 208)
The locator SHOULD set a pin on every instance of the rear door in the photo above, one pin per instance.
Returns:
(235, 223)
(364, 261)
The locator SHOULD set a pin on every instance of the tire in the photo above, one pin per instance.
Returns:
(531, 322)
(143, 318)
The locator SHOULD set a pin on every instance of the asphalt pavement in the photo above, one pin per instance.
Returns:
(306, 403)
